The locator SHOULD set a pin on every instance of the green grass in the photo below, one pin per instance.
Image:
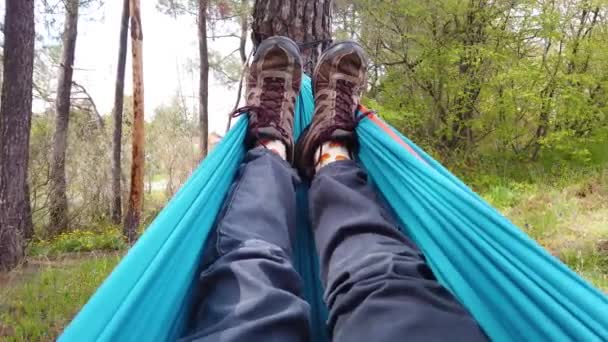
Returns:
(570, 221)
(37, 301)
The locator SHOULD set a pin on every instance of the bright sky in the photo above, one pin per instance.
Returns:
(168, 45)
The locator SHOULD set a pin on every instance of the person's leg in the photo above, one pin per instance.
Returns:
(248, 289)
(377, 284)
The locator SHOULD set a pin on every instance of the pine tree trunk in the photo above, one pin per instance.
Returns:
(203, 91)
(244, 23)
(58, 201)
(304, 21)
(133, 216)
(117, 115)
(15, 121)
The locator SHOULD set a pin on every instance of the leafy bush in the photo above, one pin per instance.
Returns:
(107, 239)
(502, 196)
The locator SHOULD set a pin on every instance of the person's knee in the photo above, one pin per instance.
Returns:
(260, 249)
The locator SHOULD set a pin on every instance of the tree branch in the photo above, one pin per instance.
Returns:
(84, 91)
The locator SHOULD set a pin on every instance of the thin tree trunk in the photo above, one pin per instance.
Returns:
(543, 126)
(58, 201)
(244, 22)
(133, 216)
(203, 91)
(117, 115)
(15, 121)
(469, 69)
(28, 225)
(304, 21)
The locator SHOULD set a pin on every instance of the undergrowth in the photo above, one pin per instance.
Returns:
(38, 300)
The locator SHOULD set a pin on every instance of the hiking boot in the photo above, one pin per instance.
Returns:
(273, 85)
(338, 80)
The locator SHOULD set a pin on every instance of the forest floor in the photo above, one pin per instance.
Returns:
(38, 299)
(571, 221)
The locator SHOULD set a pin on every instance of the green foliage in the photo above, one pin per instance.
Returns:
(504, 196)
(40, 302)
(471, 79)
(88, 187)
(171, 147)
(102, 239)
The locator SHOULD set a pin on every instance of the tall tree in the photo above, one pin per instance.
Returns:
(203, 92)
(304, 21)
(58, 201)
(117, 114)
(15, 120)
(133, 216)
(244, 23)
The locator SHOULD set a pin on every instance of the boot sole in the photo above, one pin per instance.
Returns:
(339, 45)
(289, 45)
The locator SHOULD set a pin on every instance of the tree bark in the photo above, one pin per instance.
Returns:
(244, 23)
(58, 201)
(304, 21)
(133, 216)
(15, 121)
(119, 93)
(203, 90)
(469, 69)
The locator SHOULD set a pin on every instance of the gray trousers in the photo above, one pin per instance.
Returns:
(378, 286)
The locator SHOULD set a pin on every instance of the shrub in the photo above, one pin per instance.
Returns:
(106, 239)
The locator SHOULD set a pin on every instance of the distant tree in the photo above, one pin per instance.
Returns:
(171, 149)
(200, 9)
(117, 115)
(58, 196)
(15, 121)
(208, 13)
(203, 95)
(133, 215)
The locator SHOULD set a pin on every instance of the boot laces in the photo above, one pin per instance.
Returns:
(269, 111)
(345, 116)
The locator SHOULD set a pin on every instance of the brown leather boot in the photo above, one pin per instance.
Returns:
(273, 85)
(338, 80)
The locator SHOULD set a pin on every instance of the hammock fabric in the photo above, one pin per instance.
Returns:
(512, 286)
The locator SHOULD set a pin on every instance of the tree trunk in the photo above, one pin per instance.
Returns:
(133, 216)
(543, 126)
(58, 201)
(244, 23)
(15, 120)
(304, 21)
(469, 68)
(28, 225)
(203, 90)
(117, 115)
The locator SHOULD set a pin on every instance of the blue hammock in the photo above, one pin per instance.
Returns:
(513, 287)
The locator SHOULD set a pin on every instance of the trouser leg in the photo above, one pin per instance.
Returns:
(378, 286)
(249, 290)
